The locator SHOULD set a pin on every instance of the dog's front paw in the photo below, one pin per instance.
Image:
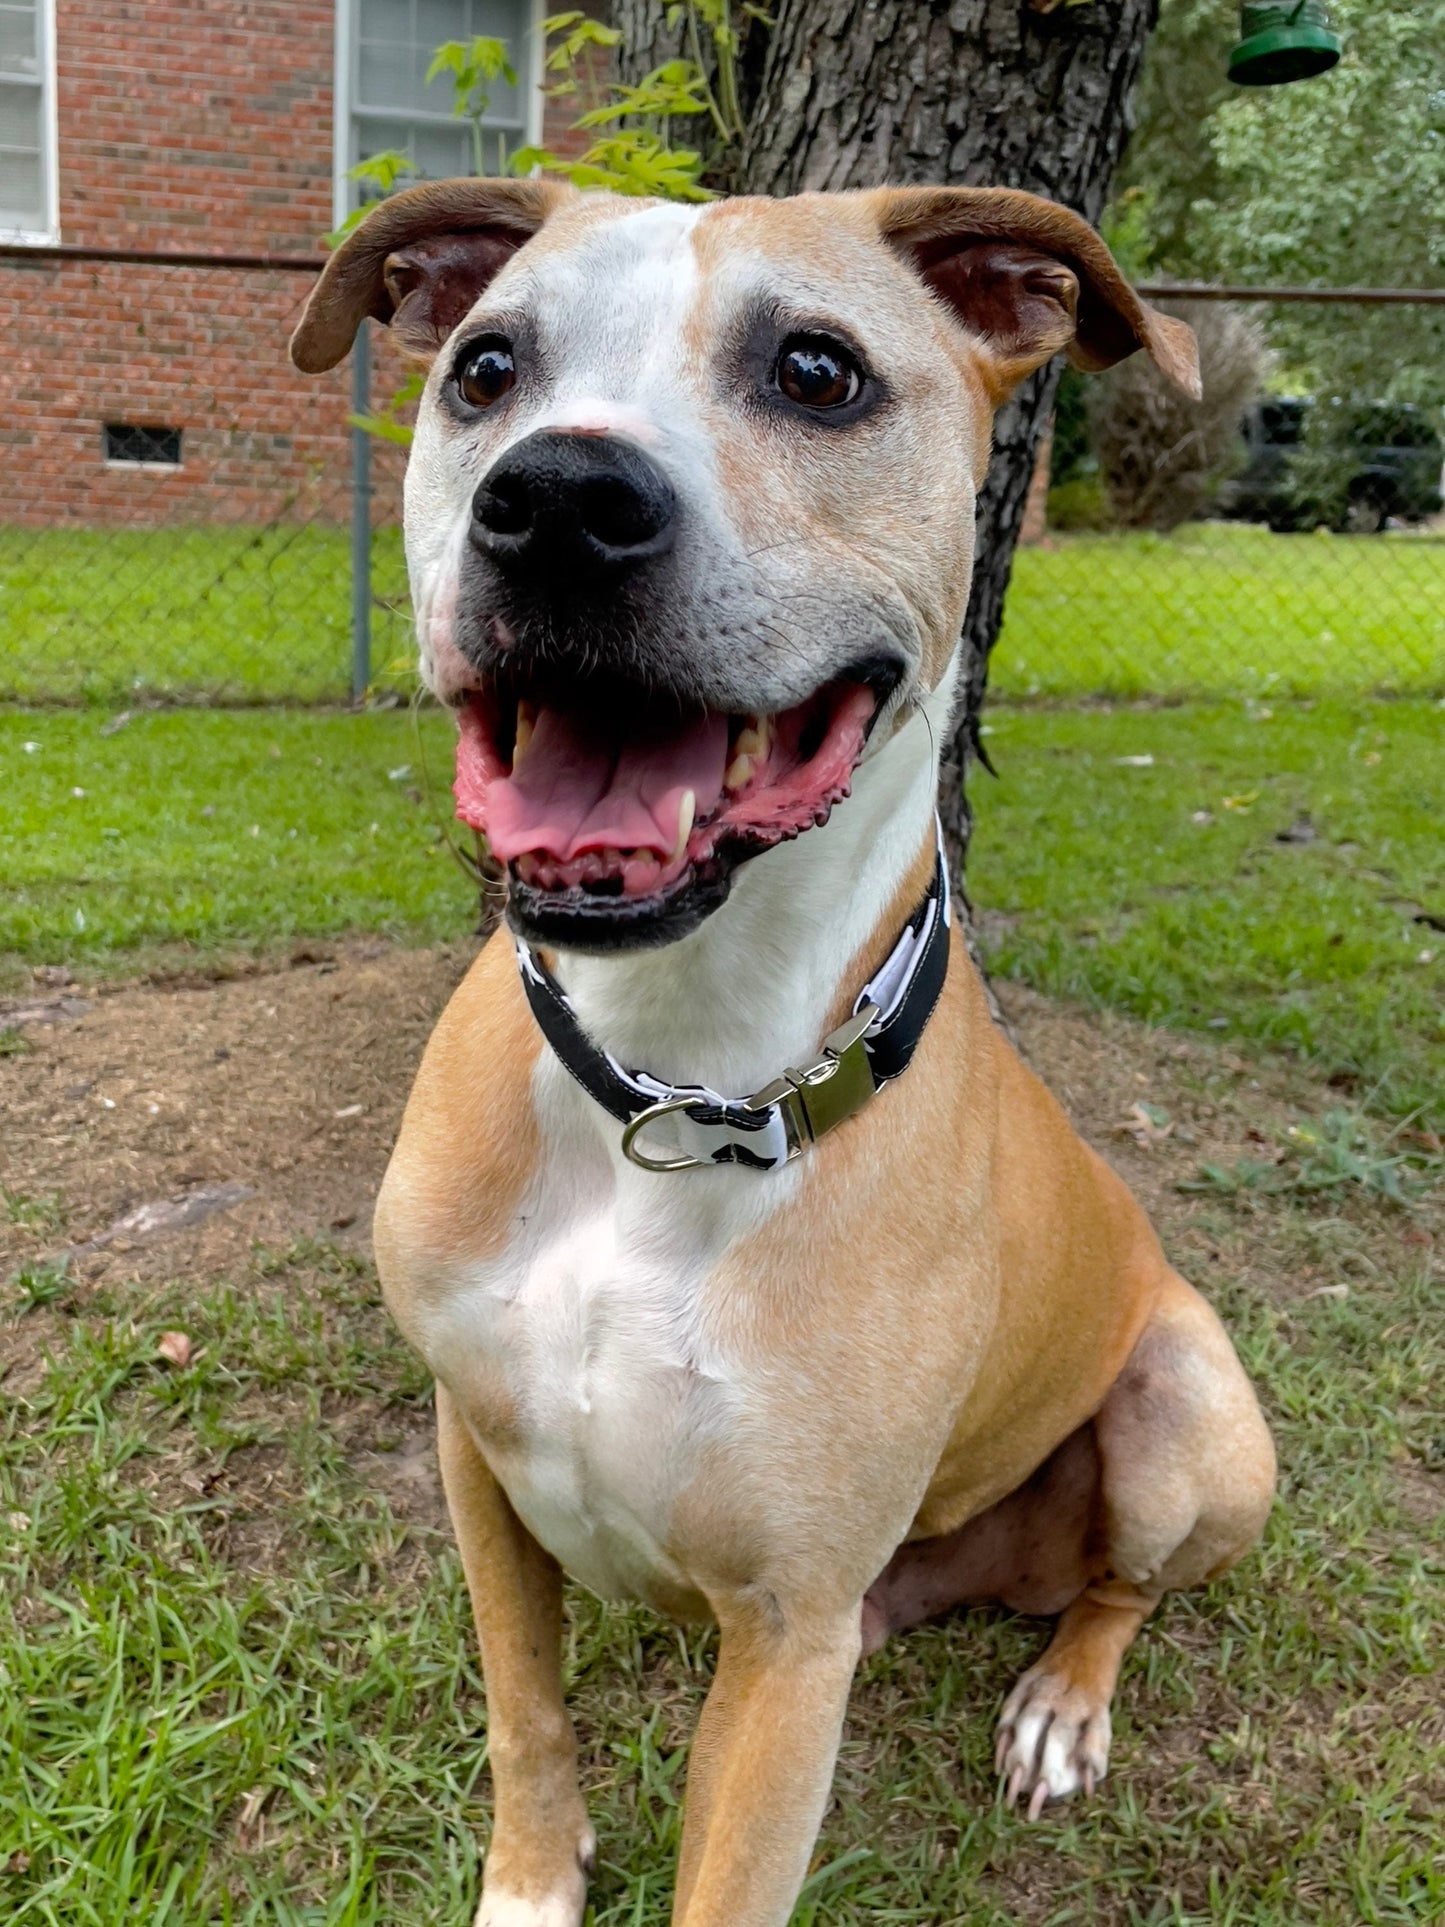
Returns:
(1053, 1738)
(502, 1909)
(503, 1906)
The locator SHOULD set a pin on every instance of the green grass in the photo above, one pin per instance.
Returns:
(215, 827)
(262, 615)
(236, 614)
(1225, 609)
(241, 1691)
(1098, 882)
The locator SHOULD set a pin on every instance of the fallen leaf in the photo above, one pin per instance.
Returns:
(175, 1348)
(251, 1805)
(1244, 802)
(348, 1110)
(1147, 1124)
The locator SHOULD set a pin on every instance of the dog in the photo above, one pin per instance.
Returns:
(759, 1278)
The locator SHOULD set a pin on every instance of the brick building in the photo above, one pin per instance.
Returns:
(224, 125)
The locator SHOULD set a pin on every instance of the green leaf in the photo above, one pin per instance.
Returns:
(383, 427)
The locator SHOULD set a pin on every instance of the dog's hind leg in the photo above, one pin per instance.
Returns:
(542, 1846)
(1186, 1477)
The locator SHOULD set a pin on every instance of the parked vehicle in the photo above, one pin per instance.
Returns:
(1364, 465)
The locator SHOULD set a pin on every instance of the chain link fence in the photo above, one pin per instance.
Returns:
(170, 538)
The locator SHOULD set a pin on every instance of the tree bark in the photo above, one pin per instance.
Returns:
(1009, 93)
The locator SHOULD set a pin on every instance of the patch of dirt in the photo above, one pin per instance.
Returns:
(135, 1128)
(1159, 1106)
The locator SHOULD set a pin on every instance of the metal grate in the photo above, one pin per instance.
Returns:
(123, 442)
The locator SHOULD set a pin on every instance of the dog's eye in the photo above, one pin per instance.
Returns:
(485, 372)
(817, 374)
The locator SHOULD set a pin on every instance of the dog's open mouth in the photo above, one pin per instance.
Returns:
(615, 809)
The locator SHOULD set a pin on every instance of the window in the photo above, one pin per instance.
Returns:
(27, 121)
(152, 447)
(383, 49)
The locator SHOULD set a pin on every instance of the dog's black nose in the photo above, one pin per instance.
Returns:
(579, 504)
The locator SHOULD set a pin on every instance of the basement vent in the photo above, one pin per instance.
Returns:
(155, 447)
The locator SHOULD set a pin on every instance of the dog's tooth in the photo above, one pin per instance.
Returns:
(687, 810)
(754, 739)
(738, 773)
(526, 723)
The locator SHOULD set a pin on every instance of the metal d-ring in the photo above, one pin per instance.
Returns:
(639, 1157)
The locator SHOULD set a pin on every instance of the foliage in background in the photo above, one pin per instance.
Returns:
(633, 151)
(1163, 455)
(475, 67)
(1334, 182)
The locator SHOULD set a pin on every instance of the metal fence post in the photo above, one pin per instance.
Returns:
(360, 516)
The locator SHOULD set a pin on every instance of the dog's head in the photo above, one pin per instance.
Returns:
(690, 506)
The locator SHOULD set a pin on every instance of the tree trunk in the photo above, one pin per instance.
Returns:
(1011, 93)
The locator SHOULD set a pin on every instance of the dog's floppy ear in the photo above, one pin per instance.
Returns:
(419, 261)
(1029, 277)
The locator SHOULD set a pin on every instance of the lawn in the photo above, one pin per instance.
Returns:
(1135, 857)
(209, 828)
(235, 614)
(1225, 609)
(262, 615)
(1160, 889)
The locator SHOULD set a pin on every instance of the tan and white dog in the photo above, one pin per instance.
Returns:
(689, 519)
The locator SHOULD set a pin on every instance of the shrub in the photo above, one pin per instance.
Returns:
(1163, 456)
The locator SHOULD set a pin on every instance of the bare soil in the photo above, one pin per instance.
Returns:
(289, 1083)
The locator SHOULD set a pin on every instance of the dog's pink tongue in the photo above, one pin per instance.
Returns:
(576, 789)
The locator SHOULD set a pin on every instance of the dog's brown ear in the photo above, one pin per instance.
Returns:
(419, 261)
(1029, 278)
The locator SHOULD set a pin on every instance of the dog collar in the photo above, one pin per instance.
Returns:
(778, 1123)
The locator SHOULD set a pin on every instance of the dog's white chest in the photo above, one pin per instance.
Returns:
(597, 1321)
(603, 1344)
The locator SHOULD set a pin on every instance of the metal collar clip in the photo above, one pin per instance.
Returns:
(811, 1098)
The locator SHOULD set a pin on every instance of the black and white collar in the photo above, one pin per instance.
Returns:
(779, 1122)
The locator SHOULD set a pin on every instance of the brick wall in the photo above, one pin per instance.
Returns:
(183, 124)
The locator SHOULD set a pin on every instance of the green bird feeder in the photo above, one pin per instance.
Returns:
(1281, 41)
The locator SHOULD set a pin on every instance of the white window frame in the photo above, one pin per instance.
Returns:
(529, 72)
(48, 235)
